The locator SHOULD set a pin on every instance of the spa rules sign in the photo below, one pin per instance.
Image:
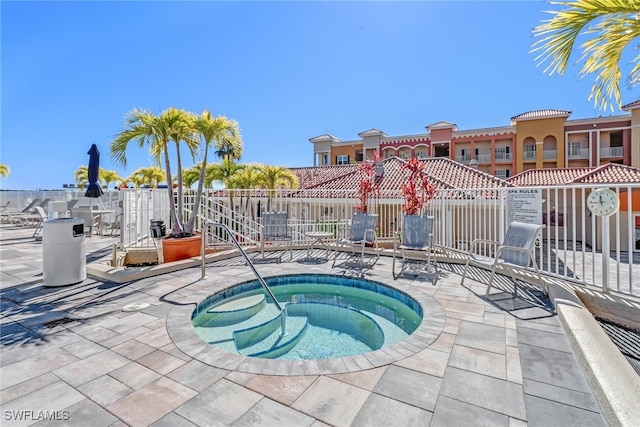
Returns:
(524, 205)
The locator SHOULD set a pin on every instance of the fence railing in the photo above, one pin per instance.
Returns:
(571, 246)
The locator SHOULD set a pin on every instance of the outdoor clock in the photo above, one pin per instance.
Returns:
(603, 202)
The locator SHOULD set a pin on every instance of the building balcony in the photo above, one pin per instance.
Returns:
(463, 159)
(582, 154)
(503, 157)
(529, 155)
(484, 158)
(611, 152)
(550, 154)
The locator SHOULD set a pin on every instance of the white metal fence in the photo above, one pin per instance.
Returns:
(571, 246)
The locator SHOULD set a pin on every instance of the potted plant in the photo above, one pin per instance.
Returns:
(417, 193)
(183, 128)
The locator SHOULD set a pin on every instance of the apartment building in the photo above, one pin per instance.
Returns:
(532, 140)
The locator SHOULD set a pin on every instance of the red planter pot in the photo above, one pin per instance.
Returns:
(184, 248)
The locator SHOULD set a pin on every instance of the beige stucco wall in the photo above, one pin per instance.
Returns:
(539, 130)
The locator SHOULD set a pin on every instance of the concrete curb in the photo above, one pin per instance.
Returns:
(614, 382)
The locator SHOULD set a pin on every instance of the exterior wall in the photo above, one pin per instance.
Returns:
(348, 149)
(540, 130)
(635, 138)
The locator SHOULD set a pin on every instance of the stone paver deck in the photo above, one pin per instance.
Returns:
(71, 353)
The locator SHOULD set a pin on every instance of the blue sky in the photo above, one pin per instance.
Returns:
(287, 71)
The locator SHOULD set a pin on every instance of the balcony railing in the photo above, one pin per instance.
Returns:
(483, 158)
(583, 153)
(529, 155)
(611, 152)
(463, 159)
(550, 154)
(503, 157)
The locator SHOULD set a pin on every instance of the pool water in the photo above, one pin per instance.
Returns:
(326, 317)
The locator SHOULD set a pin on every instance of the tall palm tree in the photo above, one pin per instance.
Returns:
(612, 26)
(222, 132)
(157, 132)
(275, 177)
(4, 170)
(152, 176)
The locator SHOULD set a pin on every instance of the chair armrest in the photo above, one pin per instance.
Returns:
(485, 241)
(511, 248)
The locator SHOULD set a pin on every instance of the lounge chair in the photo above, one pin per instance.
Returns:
(39, 222)
(14, 216)
(416, 236)
(516, 252)
(275, 229)
(362, 234)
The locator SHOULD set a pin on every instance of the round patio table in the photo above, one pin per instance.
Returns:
(319, 238)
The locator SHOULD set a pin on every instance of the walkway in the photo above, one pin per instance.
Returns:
(497, 361)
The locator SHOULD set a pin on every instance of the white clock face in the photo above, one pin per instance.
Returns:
(603, 202)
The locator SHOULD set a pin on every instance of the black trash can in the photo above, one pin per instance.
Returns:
(158, 229)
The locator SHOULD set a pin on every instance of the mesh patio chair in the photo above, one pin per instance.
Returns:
(362, 234)
(275, 229)
(516, 252)
(416, 235)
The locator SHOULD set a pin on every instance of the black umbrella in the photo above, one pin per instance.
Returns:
(94, 189)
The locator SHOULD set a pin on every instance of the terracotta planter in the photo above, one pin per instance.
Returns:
(184, 248)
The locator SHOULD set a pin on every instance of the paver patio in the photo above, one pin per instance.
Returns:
(494, 361)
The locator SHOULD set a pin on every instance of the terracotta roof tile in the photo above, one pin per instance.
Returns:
(631, 105)
(539, 114)
(545, 177)
(610, 173)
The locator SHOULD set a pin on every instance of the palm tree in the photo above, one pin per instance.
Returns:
(246, 178)
(109, 176)
(152, 176)
(191, 176)
(157, 132)
(222, 132)
(223, 172)
(4, 170)
(612, 25)
(82, 177)
(275, 177)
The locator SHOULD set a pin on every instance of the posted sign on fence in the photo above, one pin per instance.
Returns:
(524, 205)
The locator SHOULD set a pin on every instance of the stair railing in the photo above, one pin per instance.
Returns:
(210, 224)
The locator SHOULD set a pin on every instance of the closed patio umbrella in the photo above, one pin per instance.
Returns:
(93, 190)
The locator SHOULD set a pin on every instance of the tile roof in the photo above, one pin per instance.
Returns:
(443, 173)
(610, 173)
(324, 137)
(442, 125)
(631, 105)
(541, 114)
(544, 177)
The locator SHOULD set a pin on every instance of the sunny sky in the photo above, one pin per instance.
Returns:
(287, 71)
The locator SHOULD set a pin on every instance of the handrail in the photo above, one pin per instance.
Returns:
(247, 260)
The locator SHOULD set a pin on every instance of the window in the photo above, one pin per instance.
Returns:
(503, 174)
(502, 153)
(574, 149)
(421, 154)
(359, 156)
(530, 151)
(615, 139)
(342, 160)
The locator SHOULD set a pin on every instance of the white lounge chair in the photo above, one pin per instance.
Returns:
(416, 236)
(275, 229)
(361, 234)
(515, 253)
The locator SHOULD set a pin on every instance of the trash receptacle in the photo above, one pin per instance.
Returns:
(63, 253)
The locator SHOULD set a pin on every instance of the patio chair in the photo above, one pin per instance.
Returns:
(416, 236)
(275, 229)
(14, 216)
(107, 223)
(516, 252)
(5, 206)
(38, 222)
(90, 219)
(362, 234)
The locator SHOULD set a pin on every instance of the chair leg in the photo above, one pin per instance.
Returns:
(464, 273)
(490, 284)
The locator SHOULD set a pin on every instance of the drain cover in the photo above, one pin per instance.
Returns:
(626, 339)
(135, 306)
